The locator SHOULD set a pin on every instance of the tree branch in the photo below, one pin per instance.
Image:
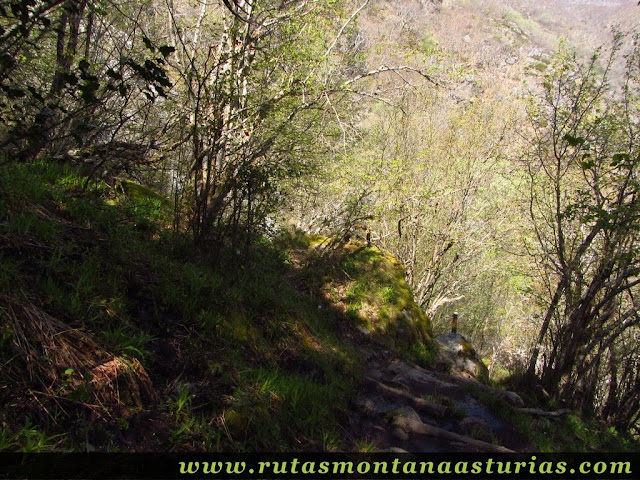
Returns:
(385, 68)
(349, 20)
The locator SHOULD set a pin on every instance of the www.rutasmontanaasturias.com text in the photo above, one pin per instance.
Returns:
(400, 467)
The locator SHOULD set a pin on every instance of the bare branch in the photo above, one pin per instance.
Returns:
(442, 301)
(235, 8)
(349, 20)
(385, 68)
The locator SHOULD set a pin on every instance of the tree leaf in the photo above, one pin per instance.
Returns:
(619, 158)
(588, 164)
(166, 50)
(574, 141)
(148, 43)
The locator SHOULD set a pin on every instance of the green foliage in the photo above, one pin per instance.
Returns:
(131, 292)
(568, 433)
(274, 408)
(429, 44)
(356, 292)
(353, 311)
(538, 67)
(28, 440)
(230, 140)
(192, 428)
(572, 434)
(126, 339)
(388, 295)
(586, 232)
(364, 446)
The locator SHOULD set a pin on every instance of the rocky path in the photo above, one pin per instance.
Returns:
(402, 406)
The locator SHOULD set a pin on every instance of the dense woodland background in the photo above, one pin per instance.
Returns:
(491, 146)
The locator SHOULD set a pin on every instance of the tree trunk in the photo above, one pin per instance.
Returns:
(551, 310)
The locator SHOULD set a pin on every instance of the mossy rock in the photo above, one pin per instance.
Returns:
(376, 283)
(141, 192)
(368, 286)
(457, 356)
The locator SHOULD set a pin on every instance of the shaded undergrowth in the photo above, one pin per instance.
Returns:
(117, 335)
(99, 262)
(563, 433)
(138, 342)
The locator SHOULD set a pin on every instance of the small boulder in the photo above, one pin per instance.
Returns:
(396, 450)
(365, 331)
(477, 428)
(364, 405)
(406, 412)
(457, 356)
(512, 398)
(400, 434)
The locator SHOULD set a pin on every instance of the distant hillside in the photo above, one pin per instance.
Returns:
(494, 45)
(587, 23)
(598, 3)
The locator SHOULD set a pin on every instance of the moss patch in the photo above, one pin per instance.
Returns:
(368, 286)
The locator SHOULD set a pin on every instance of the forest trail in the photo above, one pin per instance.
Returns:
(403, 407)
(399, 405)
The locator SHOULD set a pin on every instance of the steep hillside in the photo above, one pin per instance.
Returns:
(131, 323)
(495, 45)
(118, 336)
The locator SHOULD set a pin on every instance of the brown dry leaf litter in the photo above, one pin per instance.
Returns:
(61, 361)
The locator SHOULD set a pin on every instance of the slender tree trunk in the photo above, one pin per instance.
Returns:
(551, 310)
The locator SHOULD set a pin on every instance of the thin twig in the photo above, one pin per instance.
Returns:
(349, 20)
(385, 68)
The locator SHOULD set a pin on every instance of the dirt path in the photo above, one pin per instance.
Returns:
(403, 406)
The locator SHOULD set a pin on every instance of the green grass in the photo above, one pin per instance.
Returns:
(429, 44)
(423, 354)
(28, 439)
(274, 408)
(568, 433)
(527, 25)
(364, 445)
(100, 259)
(125, 339)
